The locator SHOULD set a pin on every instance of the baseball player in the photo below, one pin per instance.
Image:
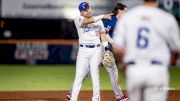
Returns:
(113, 72)
(148, 34)
(89, 55)
(109, 25)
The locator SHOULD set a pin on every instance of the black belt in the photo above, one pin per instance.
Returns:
(89, 46)
(153, 62)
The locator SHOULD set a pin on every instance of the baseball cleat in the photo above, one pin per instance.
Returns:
(68, 96)
(124, 98)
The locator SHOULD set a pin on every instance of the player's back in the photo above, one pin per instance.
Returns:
(147, 35)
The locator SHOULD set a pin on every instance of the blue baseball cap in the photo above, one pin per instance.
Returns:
(83, 6)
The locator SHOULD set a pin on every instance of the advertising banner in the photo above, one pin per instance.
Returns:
(33, 8)
(37, 54)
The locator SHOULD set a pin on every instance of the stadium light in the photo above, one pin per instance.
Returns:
(70, 13)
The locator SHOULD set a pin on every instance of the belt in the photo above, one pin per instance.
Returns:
(153, 62)
(89, 46)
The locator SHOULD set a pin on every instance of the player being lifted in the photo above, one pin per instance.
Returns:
(89, 55)
(112, 71)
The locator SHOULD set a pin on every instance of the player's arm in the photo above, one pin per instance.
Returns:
(103, 36)
(118, 44)
(174, 41)
(106, 36)
(107, 58)
(90, 20)
(109, 39)
(175, 36)
(174, 57)
(119, 54)
(119, 51)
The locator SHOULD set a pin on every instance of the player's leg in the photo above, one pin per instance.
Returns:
(94, 68)
(134, 83)
(87, 74)
(135, 94)
(68, 96)
(157, 87)
(82, 66)
(113, 74)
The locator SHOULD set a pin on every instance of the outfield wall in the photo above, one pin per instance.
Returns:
(38, 52)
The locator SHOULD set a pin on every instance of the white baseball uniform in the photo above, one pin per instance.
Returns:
(89, 56)
(148, 34)
(113, 72)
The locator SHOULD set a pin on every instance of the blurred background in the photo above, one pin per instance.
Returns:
(34, 33)
(43, 31)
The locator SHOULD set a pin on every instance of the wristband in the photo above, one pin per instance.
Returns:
(97, 18)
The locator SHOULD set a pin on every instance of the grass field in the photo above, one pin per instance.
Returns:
(57, 77)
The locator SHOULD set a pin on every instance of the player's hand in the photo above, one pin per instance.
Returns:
(107, 30)
(108, 16)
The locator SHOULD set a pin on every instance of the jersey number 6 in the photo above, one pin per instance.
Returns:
(142, 39)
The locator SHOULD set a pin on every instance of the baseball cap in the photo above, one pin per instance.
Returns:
(83, 6)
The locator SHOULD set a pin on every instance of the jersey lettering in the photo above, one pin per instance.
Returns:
(92, 28)
(142, 39)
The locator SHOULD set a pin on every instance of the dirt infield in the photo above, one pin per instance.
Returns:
(61, 96)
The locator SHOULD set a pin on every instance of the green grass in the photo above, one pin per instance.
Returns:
(175, 78)
(56, 77)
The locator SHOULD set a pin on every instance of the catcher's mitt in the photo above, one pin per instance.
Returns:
(108, 59)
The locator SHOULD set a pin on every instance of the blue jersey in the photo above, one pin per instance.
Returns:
(110, 25)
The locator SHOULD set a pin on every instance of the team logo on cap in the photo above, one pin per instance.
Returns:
(84, 6)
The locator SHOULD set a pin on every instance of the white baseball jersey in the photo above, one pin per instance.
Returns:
(88, 58)
(152, 30)
(90, 33)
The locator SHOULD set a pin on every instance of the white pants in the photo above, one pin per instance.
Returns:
(87, 59)
(113, 74)
(147, 82)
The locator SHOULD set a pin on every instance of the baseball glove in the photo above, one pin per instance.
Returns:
(108, 59)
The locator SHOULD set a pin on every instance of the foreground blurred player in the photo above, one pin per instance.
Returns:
(89, 55)
(148, 34)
